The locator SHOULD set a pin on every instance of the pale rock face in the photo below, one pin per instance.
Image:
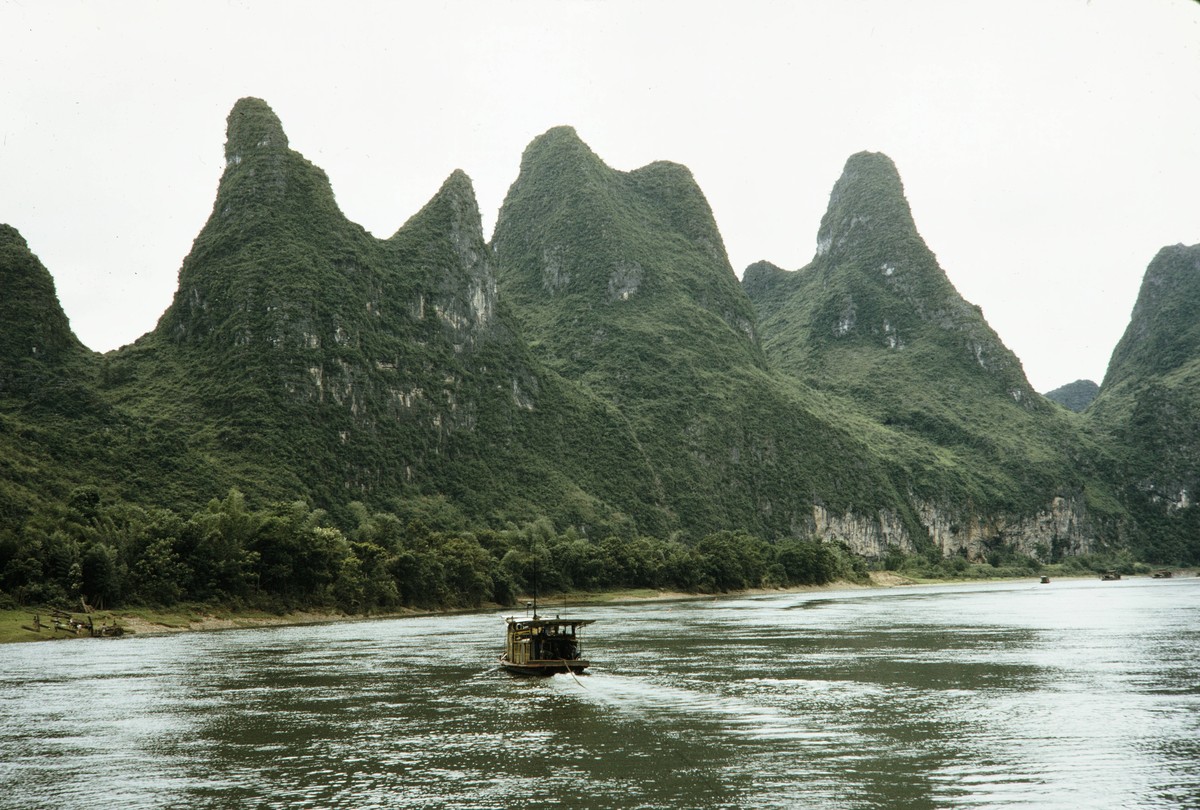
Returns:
(867, 536)
(479, 307)
(1062, 522)
(522, 398)
(624, 281)
(847, 321)
(554, 277)
(891, 337)
(1174, 496)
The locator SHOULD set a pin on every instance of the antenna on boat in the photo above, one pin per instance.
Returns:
(535, 579)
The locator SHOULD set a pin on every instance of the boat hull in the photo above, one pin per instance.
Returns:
(577, 665)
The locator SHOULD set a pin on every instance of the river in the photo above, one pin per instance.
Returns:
(1075, 694)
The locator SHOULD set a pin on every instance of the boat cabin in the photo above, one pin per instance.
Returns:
(542, 646)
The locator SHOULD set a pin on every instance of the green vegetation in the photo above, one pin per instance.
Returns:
(303, 358)
(1007, 563)
(288, 557)
(1076, 396)
(621, 282)
(426, 420)
(874, 323)
(1148, 409)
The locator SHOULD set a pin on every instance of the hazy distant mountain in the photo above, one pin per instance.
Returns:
(1074, 396)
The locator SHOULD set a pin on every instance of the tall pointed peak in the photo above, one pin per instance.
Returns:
(454, 206)
(252, 127)
(448, 234)
(272, 205)
(875, 285)
(868, 199)
(561, 153)
(1163, 333)
(264, 176)
(459, 192)
(33, 327)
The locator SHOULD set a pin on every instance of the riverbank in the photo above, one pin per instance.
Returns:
(18, 625)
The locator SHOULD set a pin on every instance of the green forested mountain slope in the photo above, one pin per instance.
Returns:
(38, 350)
(46, 381)
(874, 321)
(302, 357)
(598, 365)
(622, 283)
(1148, 408)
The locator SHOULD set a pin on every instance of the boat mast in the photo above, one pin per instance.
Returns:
(535, 578)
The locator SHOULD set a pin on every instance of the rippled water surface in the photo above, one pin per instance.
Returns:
(1075, 694)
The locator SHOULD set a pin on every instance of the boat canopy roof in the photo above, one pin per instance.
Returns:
(542, 621)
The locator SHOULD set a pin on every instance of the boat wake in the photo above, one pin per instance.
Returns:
(652, 699)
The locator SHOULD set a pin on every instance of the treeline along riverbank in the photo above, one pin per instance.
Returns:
(424, 555)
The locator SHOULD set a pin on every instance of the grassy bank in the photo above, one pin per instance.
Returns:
(14, 624)
(17, 625)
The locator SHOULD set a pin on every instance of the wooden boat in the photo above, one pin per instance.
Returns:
(1110, 576)
(540, 646)
(1166, 573)
(1045, 580)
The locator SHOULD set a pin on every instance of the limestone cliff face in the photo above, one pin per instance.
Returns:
(1062, 528)
(462, 295)
(870, 536)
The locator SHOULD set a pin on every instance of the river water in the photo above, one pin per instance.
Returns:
(1076, 694)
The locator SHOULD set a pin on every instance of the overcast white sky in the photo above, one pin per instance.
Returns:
(1048, 148)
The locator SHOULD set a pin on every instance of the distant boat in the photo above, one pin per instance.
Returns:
(1045, 580)
(540, 646)
(1109, 576)
(1163, 574)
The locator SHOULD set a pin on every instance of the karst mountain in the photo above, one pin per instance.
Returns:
(598, 364)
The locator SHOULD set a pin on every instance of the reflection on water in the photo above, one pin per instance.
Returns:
(1074, 694)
